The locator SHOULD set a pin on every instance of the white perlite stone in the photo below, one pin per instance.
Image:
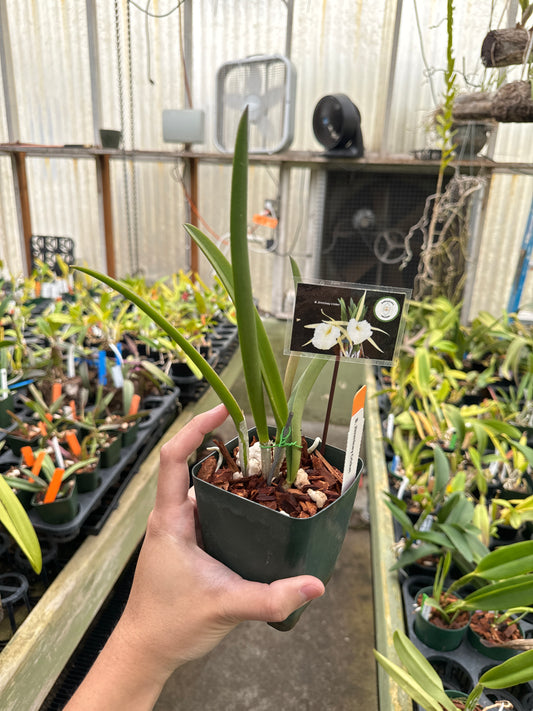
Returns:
(318, 497)
(301, 479)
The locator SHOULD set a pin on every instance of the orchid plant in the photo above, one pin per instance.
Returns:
(260, 369)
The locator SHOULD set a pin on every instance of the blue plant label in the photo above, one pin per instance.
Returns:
(102, 368)
(353, 321)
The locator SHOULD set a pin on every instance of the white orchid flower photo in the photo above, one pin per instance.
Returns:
(349, 333)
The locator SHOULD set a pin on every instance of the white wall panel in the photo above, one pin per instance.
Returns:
(337, 46)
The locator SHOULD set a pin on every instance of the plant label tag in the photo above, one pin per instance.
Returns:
(355, 436)
(116, 374)
(356, 322)
(57, 452)
(117, 351)
(403, 487)
(102, 368)
(426, 609)
(71, 372)
(4, 392)
(389, 427)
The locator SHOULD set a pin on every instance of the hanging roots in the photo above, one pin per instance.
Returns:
(444, 250)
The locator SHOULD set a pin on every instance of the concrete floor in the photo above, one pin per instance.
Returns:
(326, 661)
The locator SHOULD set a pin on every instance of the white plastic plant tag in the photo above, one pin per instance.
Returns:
(4, 392)
(403, 487)
(389, 428)
(426, 609)
(57, 452)
(355, 436)
(116, 374)
(46, 290)
(118, 354)
(427, 523)
(71, 371)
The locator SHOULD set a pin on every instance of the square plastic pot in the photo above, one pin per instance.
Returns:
(110, 455)
(61, 510)
(88, 480)
(15, 443)
(6, 404)
(264, 545)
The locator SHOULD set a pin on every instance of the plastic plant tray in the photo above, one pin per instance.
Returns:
(164, 410)
(461, 668)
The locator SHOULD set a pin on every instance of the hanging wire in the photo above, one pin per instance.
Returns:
(153, 14)
(134, 236)
(122, 126)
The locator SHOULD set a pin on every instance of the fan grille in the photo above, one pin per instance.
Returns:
(266, 86)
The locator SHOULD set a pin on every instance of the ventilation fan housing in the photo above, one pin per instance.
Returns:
(337, 126)
(267, 85)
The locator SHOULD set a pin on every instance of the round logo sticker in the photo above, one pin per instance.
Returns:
(386, 309)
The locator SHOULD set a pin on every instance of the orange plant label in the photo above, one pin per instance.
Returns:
(42, 427)
(27, 455)
(73, 409)
(53, 486)
(73, 443)
(134, 406)
(38, 463)
(56, 391)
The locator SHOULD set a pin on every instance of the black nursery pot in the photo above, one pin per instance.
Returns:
(6, 404)
(264, 545)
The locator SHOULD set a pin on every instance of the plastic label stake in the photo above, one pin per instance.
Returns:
(71, 371)
(4, 390)
(134, 405)
(390, 426)
(116, 374)
(56, 391)
(102, 374)
(53, 486)
(57, 453)
(38, 463)
(355, 436)
(73, 443)
(27, 455)
(426, 609)
(72, 405)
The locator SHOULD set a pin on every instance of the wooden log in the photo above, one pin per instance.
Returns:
(511, 103)
(502, 48)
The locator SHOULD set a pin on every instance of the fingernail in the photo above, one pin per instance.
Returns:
(310, 592)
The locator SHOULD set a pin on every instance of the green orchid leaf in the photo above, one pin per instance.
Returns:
(242, 281)
(502, 595)
(415, 690)
(16, 521)
(512, 672)
(507, 561)
(441, 471)
(420, 668)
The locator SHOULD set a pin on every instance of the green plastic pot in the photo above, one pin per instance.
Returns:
(129, 436)
(5, 405)
(264, 545)
(498, 653)
(62, 510)
(441, 638)
(88, 480)
(110, 455)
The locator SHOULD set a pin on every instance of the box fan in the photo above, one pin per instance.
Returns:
(267, 85)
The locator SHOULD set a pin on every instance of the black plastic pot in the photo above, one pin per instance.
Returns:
(264, 545)
(15, 443)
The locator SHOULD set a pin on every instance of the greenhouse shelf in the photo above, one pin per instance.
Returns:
(388, 605)
(39, 650)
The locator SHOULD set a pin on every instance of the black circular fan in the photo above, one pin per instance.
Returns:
(337, 126)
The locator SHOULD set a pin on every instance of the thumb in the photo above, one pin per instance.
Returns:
(274, 602)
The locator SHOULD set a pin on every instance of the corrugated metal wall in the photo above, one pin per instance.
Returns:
(337, 46)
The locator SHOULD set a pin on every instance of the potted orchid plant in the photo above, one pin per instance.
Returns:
(297, 524)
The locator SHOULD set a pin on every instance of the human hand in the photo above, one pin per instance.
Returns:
(183, 602)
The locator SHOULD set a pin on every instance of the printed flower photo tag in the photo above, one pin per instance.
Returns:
(355, 321)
